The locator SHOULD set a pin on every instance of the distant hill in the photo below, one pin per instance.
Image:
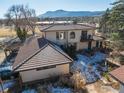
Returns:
(63, 13)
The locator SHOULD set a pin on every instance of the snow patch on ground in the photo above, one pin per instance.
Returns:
(5, 68)
(7, 85)
(30, 91)
(60, 90)
(88, 66)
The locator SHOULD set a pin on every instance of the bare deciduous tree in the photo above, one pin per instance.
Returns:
(22, 17)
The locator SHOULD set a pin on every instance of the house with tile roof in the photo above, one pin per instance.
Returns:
(39, 58)
(80, 35)
(118, 74)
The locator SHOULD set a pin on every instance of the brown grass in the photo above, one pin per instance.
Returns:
(8, 32)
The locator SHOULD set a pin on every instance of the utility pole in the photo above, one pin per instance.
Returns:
(1, 84)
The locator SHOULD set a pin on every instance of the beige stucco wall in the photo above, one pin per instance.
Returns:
(93, 44)
(52, 36)
(121, 89)
(77, 36)
(84, 45)
(32, 75)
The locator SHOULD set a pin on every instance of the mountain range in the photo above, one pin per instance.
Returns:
(63, 13)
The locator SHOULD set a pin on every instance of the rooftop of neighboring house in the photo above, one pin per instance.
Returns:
(39, 52)
(118, 74)
(66, 27)
(53, 22)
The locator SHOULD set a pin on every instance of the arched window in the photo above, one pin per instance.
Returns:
(72, 35)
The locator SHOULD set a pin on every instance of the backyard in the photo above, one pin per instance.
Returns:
(88, 76)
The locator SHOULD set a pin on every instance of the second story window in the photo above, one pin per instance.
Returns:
(84, 35)
(57, 35)
(72, 35)
(60, 35)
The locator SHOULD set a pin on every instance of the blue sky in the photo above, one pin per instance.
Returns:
(41, 6)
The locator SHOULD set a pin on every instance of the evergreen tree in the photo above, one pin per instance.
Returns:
(113, 22)
(22, 34)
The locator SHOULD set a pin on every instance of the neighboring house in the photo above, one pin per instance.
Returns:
(53, 22)
(82, 36)
(118, 74)
(39, 58)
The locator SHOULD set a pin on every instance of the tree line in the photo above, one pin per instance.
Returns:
(113, 19)
(112, 24)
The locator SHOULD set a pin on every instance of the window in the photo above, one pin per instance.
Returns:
(60, 35)
(57, 35)
(43, 68)
(97, 44)
(89, 36)
(84, 35)
(72, 35)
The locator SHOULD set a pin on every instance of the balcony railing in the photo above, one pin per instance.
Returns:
(86, 38)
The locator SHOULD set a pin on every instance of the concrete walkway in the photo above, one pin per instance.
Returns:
(97, 88)
(108, 89)
(91, 88)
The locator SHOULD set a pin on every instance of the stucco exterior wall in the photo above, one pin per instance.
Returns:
(80, 45)
(32, 75)
(52, 37)
(93, 44)
(121, 89)
(84, 45)
(77, 36)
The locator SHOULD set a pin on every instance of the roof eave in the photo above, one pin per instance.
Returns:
(16, 70)
(66, 30)
(116, 78)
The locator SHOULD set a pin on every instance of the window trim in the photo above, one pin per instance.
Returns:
(59, 37)
(72, 35)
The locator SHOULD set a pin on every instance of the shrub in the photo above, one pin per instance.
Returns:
(22, 34)
(70, 50)
(78, 80)
(64, 81)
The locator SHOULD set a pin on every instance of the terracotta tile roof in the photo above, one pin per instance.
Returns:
(39, 52)
(118, 74)
(66, 27)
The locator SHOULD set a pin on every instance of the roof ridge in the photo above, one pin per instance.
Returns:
(61, 52)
